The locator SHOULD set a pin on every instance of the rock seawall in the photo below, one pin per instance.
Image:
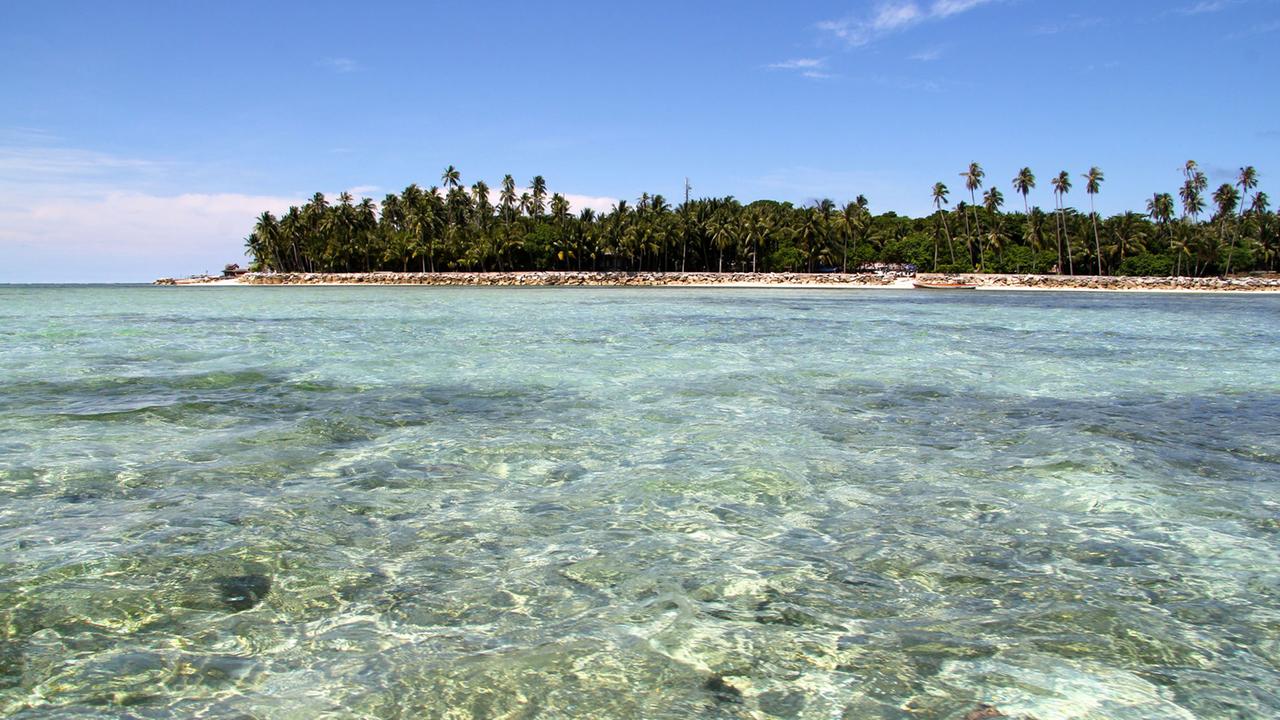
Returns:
(655, 279)
(1107, 282)
(561, 279)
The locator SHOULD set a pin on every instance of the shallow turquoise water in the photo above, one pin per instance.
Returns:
(439, 502)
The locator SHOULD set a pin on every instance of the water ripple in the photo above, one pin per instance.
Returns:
(440, 502)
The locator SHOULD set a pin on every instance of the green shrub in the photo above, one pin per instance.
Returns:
(1146, 265)
(915, 248)
(785, 259)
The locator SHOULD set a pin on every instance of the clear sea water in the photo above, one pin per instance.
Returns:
(607, 503)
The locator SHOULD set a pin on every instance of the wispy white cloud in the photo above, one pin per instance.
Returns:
(18, 135)
(1206, 6)
(71, 214)
(42, 163)
(945, 8)
(600, 204)
(340, 64)
(926, 55)
(892, 16)
(898, 82)
(797, 64)
(127, 236)
(1262, 29)
(30, 173)
(814, 68)
(1067, 24)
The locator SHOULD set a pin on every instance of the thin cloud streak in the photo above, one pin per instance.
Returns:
(340, 64)
(1255, 31)
(44, 162)
(797, 64)
(812, 68)
(89, 215)
(894, 16)
(1071, 23)
(1206, 6)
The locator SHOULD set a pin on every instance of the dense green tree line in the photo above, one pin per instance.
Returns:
(454, 227)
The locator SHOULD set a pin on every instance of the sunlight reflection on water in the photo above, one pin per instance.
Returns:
(436, 502)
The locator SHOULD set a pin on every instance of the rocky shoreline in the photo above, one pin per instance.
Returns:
(1109, 282)
(548, 279)
(655, 279)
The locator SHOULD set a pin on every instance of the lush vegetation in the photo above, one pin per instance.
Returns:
(453, 227)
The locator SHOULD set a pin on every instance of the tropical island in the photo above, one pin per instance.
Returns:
(482, 236)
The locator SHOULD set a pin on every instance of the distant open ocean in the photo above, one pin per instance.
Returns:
(415, 502)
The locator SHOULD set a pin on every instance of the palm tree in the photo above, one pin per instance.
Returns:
(507, 198)
(537, 192)
(722, 235)
(1226, 197)
(451, 178)
(1127, 236)
(1062, 186)
(1192, 203)
(1247, 180)
(464, 227)
(1268, 231)
(973, 182)
(756, 231)
(659, 230)
(590, 233)
(997, 239)
(1160, 208)
(267, 233)
(852, 221)
(992, 200)
(1093, 185)
(1261, 203)
(1033, 231)
(813, 235)
(1192, 196)
(1024, 182)
(560, 215)
(367, 228)
(940, 193)
(616, 228)
(1193, 189)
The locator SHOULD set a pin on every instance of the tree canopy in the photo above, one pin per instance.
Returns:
(458, 227)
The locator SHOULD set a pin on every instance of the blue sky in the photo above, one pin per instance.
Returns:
(140, 139)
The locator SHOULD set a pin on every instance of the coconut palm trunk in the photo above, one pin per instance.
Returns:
(1231, 251)
(1097, 245)
(1057, 230)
